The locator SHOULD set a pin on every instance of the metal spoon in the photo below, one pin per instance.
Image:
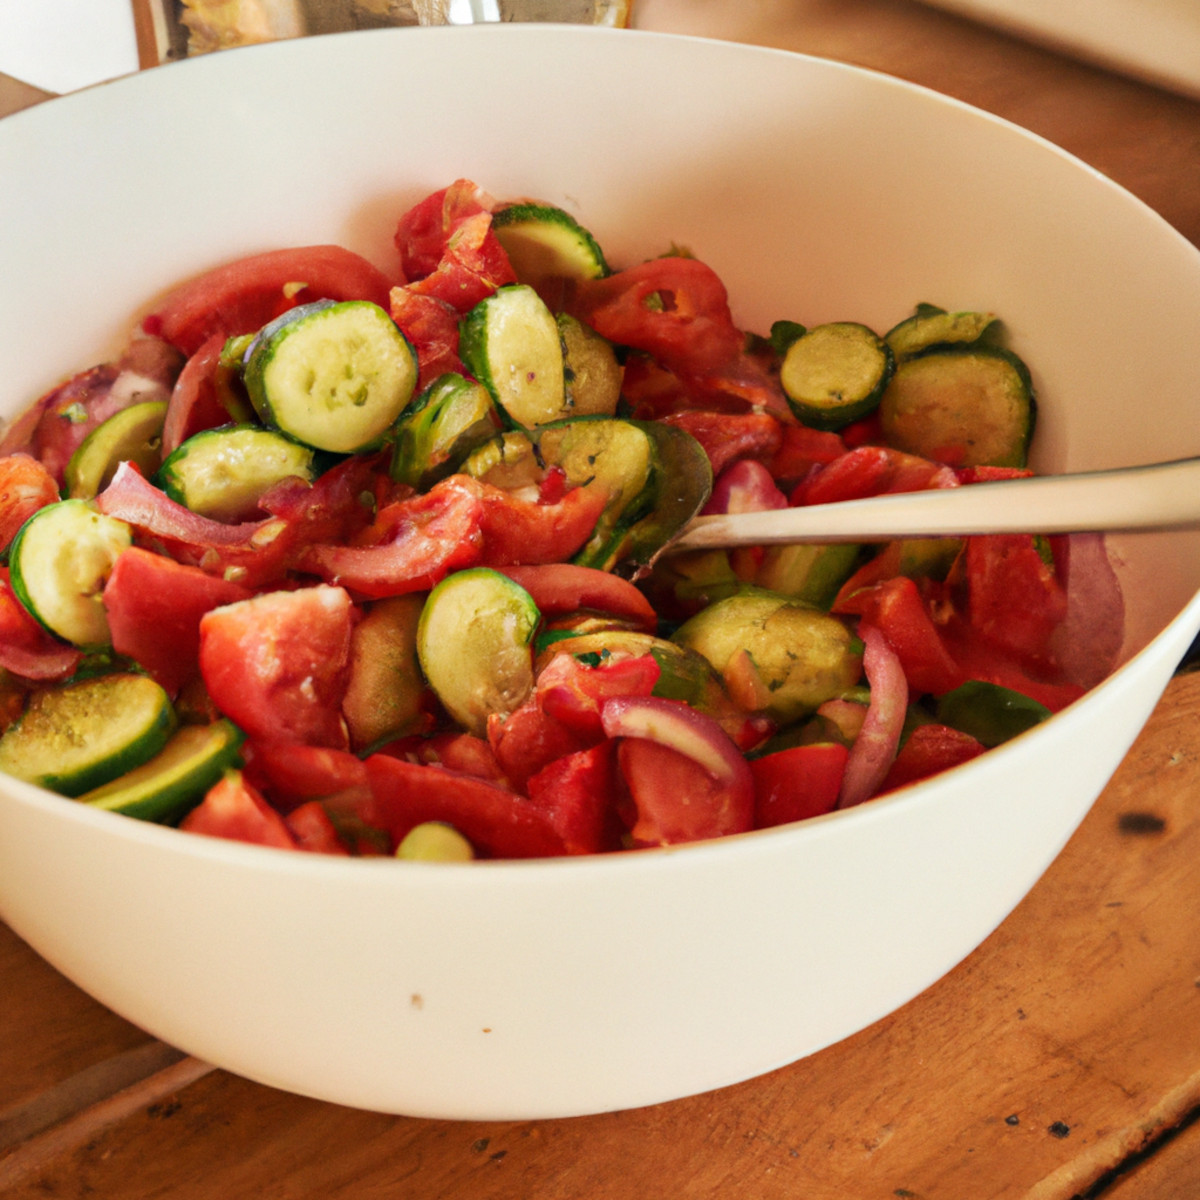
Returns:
(1159, 496)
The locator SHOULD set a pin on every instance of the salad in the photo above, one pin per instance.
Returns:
(353, 563)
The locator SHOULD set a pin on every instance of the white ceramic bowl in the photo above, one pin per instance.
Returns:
(819, 192)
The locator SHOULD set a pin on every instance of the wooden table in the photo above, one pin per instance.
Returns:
(1062, 1059)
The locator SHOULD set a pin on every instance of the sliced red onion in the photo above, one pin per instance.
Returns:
(746, 486)
(1088, 640)
(877, 742)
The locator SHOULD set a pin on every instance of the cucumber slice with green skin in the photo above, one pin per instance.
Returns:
(931, 326)
(222, 473)
(681, 483)
(836, 373)
(967, 406)
(657, 476)
(132, 435)
(332, 375)
(82, 735)
(609, 453)
(474, 644)
(811, 573)
(616, 455)
(591, 372)
(59, 562)
(166, 787)
(543, 242)
(510, 343)
(450, 418)
(802, 655)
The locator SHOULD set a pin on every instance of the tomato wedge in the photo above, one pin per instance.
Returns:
(242, 296)
(423, 540)
(235, 809)
(562, 588)
(797, 783)
(26, 648)
(154, 607)
(276, 664)
(674, 308)
(496, 821)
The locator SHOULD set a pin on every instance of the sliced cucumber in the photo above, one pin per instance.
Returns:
(333, 375)
(931, 326)
(615, 455)
(175, 780)
(474, 644)
(434, 841)
(802, 655)
(543, 242)
(657, 478)
(385, 691)
(834, 374)
(59, 562)
(681, 482)
(82, 735)
(450, 418)
(222, 473)
(811, 573)
(591, 372)
(510, 343)
(967, 406)
(132, 435)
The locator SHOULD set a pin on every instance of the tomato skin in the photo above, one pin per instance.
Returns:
(25, 487)
(154, 606)
(26, 648)
(472, 266)
(797, 783)
(896, 608)
(872, 471)
(517, 531)
(496, 821)
(691, 327)
(800, 450)
(427, 537)
(292, 773)
(727, 437)
(423, 231)
(929, 750)
(276, 664)
(236, 810)
(559, 589)
(572, 693)
(1014, 600)
(676, 799)
(431, 327)
(314, 831)
(529, 739)
(579, 794)
(242, 296)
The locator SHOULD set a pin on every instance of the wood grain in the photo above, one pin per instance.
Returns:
(1060, 1060)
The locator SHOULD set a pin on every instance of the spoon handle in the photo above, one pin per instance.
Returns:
(1159, 496)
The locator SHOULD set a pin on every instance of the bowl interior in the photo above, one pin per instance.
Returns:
(819, 192)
